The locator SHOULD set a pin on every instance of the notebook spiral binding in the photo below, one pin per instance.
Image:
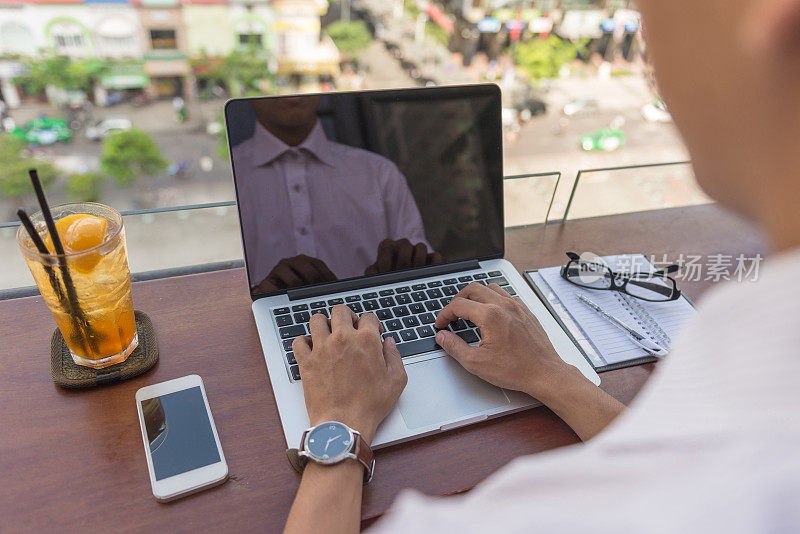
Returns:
(644, 319)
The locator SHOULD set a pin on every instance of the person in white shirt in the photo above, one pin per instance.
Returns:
(711, 443)
(304, 199)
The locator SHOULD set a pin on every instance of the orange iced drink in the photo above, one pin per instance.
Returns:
(88, 288)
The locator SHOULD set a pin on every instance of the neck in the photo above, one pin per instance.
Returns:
(784, 232)
(780, 217)
(291, 136)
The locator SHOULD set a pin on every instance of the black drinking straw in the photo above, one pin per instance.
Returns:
(40, 246)
(72, 296)
(37, 240)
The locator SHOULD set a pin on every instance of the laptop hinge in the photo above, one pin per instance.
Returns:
(380, 279)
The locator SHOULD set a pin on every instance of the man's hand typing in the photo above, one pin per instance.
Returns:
(515, 353)
(349, 374)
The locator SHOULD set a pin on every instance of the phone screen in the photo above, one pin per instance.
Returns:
(179, 433)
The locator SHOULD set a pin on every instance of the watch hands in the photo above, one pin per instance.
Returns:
(327, 444)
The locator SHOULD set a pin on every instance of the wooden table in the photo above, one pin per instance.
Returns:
(73, 460)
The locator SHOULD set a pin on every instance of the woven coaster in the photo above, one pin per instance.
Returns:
(67, 374)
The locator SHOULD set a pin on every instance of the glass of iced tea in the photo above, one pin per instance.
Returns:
(88, 288)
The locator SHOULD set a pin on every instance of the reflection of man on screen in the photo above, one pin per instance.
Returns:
(314, 210)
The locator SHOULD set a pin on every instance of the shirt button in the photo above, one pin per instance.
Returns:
(296, 187)
(303, 231)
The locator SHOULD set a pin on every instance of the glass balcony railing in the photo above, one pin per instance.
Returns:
(597, 192)
(529, 198)
(161, 242)
(187, 239)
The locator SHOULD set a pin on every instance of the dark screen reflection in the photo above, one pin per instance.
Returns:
(179, 433)
(351, 184)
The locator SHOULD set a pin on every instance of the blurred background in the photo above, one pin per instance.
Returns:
(120, 102)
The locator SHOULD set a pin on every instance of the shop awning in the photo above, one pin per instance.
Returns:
(289, 67)
(489, 25)
(124, 81)
(582, 23)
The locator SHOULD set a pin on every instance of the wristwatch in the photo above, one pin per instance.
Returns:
(330, 443)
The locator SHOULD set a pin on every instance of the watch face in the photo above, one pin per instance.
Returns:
(328, 441)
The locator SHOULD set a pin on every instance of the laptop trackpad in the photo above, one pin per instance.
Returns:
(440, 390)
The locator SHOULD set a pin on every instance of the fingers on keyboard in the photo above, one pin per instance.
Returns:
(407, 314)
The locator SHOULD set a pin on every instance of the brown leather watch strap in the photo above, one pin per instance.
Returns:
(365, 456)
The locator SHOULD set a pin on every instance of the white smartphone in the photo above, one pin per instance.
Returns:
(181, 444)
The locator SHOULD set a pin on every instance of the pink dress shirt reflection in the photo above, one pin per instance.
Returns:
(323, 199)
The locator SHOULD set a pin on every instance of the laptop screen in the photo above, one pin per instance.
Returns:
(346, 185)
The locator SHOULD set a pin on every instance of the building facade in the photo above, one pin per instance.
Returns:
(148, 46)
(301, 49)
(166, 62)
(610, 27)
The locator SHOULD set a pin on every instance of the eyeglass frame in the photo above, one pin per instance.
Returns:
(625, 278)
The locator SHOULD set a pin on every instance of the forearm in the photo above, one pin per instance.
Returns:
(329, 500)
(586, 408)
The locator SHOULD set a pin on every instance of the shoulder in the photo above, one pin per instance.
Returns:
(737, 312)
(362, 157)
(242, 161)
(242, 152)
(739, 353)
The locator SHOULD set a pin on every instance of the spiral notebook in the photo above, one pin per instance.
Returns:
(603, 344)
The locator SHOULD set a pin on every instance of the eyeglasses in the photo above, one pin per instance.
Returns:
(652, 287)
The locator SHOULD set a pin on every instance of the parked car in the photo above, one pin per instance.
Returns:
(43, 131)
(605, 140)
(532, 107)
(411, 69)
(656, 111)
(393, 49)
(106, 127)
(582, 106)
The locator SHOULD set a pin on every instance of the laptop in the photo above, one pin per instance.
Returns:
(390, 202)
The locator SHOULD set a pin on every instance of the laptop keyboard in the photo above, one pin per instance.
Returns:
(407, 313)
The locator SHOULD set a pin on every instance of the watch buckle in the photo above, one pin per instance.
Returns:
(371, 472)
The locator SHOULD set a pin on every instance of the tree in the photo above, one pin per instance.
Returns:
(245, 68)
(351, 38)
(209, 70)
(241, 71)
(543, 58)
(437, 33)
(130, 157)
(85, 187)
(60, 72)
(14, 165)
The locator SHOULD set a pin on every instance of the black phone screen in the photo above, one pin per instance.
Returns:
(179, 433)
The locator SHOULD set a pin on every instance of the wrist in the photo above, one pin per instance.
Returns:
(348, 468)
(555, 385)
(360, 425)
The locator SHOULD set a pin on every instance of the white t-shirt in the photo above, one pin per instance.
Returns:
(712, 443)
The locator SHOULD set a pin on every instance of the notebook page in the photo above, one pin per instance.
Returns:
(613, 345)
(573, 328)
(667, 317)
